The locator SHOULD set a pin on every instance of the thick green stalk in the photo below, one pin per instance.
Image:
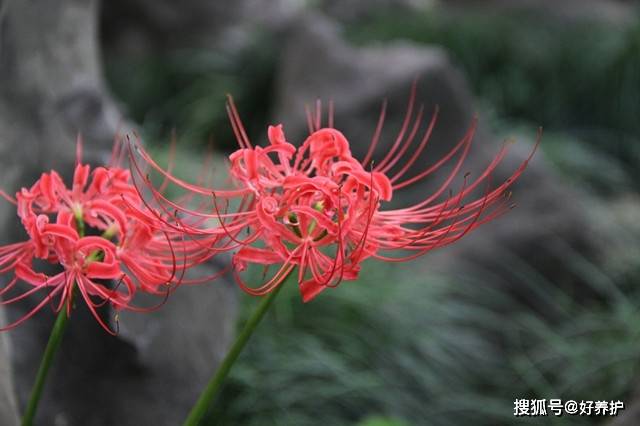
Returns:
(213, 387)
(52, 346)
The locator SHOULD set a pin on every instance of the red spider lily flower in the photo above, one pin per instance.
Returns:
(131, 248)
(318, 208)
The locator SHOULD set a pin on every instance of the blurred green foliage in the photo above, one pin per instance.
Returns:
(436, 351)
(580, 77)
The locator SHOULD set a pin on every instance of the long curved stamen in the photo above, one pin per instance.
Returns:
(464, 142)
(403, 128)
(238, 128)
(421, 146)
(407, 142)
(376, 135)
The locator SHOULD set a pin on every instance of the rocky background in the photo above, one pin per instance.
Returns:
(540, 304)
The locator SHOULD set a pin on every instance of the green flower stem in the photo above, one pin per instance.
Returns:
(213, 387)
(52, 346)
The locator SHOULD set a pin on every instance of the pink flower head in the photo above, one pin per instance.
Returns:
(317, 208)
(129, 248)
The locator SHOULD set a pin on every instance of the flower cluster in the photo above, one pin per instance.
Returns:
(317, 208)
(104, 243)
(314, 210)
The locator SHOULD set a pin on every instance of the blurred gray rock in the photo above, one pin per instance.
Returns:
(317, 63)
(51, 89)
(52, 85)
(8, 408)
(179, 348)
(359, 10)
(146, 25)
